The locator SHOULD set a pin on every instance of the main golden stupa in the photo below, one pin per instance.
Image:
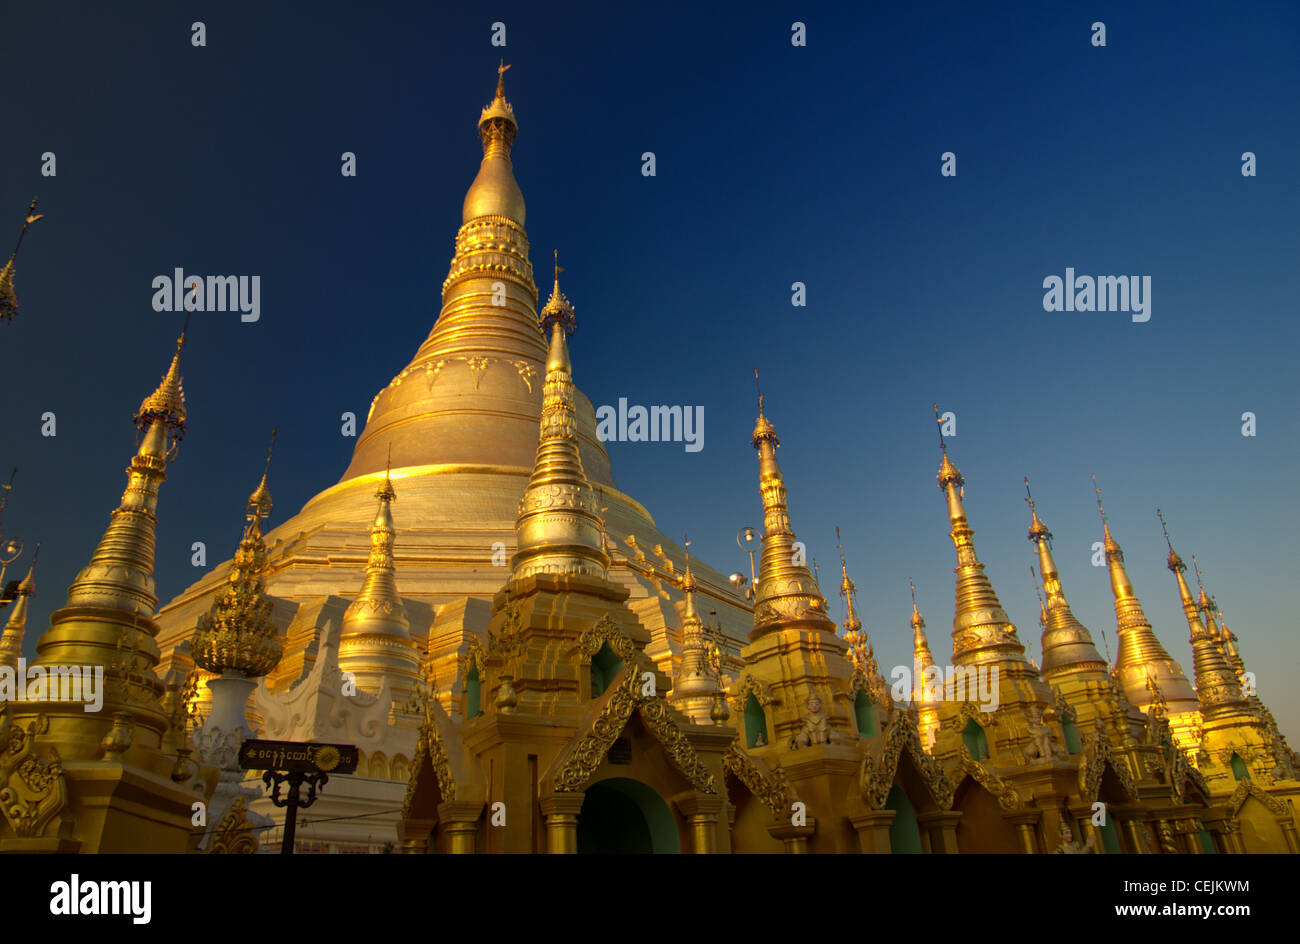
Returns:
(527, 664)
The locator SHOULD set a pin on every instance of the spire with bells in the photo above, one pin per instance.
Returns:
(695, 687)
(495, 191)
(236, 636)
(102, 615)
(1140, 655)
(786, 594)
(8, 297)
(852, 626)
(1068, 648)
(982, 633)
(1217, 687)
(558, 527)
(375, 643)
(11, 641)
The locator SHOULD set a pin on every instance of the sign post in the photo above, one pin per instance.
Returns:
(294, 763)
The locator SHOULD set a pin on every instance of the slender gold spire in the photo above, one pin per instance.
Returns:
(494, 191)
(922, 658)
(1230, 648)
(167, 402)
(695, 686)
(1068, 648)
(786, 594)
(558, 526)
(375, 643)
(1140, 655)
(11, 641)
(8, 297)
(848, 591)
(378, 608)
(981, 630)
(1217, 687)
(108, 607)
(926, 680)
(861, 653)
(236, 636)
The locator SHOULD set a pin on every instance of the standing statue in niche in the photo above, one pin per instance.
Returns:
(1068, 846)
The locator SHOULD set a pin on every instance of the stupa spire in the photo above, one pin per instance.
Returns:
(786, 593)
(922, 658)
(8, 297)
(11, 641)
(494, 191)
(375, 642)
(860, 653)
(1068, 648)
(1139, 653)
(981, 630)
(110, 602)
(1217, 687)
(236, 637)
(927, 687)
(558, 526)
(695, 686)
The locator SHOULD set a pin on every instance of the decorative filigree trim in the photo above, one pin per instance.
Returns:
(510, 640)
(588, 753)
(1006, 795)
(1097, 753)
(605, 630)
(1248, 788)
(32, 792)
(748, 685)
(876, 780)
(234, 834)
(771, 789)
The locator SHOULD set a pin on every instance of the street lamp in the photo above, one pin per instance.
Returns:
(747, 539)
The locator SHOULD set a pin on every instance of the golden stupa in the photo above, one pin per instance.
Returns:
(524, 663)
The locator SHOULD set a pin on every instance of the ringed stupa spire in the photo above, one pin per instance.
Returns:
(1068, 648)
(852, 626)
(467, 405)
(375, 642)
(11, 641)
(558, 527)
(1140, 655)
(236, 637)
(695, 687)
(1217, 687)
(786, 594)
(981, 630)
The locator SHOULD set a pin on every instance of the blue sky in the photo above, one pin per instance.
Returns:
(775, 164)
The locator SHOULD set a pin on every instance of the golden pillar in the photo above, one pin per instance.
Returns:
(702, 811)
(1136, 835)
(1025, 829)
(460, 823)
(561, 813)
(939, 829)
(794, 837)
(873, 831)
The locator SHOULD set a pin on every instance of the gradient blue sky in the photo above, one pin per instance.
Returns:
(775, 164)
